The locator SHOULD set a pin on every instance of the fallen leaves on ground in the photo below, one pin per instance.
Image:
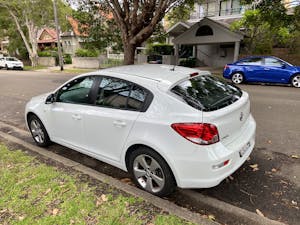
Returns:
(274, 170)
(127, 181)
(295, 156)
(284, 182)
(254, 167)
(21, 218)
(294, 203)
(55, 211)
(103, 198)
(259, 213)
(211, 217)
(47, 191)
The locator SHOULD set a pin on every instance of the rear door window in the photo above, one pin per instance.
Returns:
(207, 93)
(255, 61)
(113, 93)
(121, 94)
(273, 62)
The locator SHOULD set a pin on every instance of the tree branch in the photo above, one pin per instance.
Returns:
(20, 31)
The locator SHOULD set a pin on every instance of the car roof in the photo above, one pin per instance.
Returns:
(165, 75)
(259, 56)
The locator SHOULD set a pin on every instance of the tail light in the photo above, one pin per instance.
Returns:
(198, 133)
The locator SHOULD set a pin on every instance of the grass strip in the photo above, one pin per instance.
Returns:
(32, 192)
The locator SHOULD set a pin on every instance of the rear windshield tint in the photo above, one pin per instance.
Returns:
(207, 93)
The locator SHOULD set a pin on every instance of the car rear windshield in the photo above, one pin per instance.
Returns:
(207, 93)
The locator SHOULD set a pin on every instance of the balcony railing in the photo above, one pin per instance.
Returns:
(227, 12)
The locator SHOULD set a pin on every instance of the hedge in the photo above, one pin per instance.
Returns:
(86, 53)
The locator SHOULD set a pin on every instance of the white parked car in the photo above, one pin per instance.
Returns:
(11, 63)
(167, 126)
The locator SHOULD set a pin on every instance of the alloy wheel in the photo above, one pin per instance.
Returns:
(37, 131)
(296, 81)
(148, 173)
(237, 78)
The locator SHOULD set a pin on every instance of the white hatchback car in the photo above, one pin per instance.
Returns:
(11, 63)
(167, 126)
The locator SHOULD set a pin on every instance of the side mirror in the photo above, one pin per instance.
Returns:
(50, 99)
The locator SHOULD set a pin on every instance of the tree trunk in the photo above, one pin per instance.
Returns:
(34, 59)
(33, 36)
(129, 52)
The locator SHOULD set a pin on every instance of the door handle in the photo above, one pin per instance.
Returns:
(119, 123)
(76, 117)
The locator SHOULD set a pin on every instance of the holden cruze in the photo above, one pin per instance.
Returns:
(167, 126)
(267, 69)
(11, 63)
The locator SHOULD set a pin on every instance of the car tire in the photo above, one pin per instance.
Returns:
(6, 67)
(38, 131)
(150, 172)
(295, 81)
(237, 78)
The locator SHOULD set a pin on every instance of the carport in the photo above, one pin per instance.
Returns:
(214, 44)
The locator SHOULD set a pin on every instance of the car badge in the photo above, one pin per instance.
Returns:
(241, 116)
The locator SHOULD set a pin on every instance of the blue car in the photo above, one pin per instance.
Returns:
(266, 69)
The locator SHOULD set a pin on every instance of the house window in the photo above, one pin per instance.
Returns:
(224, 8)
(228, 7)
(236, 7)
(204, 31)
(207, 9)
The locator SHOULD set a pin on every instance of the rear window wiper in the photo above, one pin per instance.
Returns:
(226, 98)
(195, 103)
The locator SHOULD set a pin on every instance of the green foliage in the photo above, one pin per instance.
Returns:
(188, 62)
(101, 32)
(180, 13)
(67, 59)
(44, 54)
(160, 49)
(268, 26)
(86, 53)
(159, 35)
(31, 16)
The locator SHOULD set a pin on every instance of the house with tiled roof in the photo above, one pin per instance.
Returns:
(47, 38)
(74, 38)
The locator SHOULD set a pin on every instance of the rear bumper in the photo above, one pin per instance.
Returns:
(227, 73)
(197, 171)
(16, 67)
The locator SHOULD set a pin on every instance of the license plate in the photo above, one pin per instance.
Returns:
(244, 149)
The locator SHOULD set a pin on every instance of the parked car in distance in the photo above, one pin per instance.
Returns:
(11, 63)
(266, 69)
(167, 126)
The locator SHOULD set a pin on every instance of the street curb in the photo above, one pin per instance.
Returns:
(156, 201)
(236, 214)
